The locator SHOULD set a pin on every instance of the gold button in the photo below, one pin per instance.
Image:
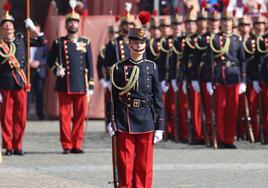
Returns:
(147, 67)
(129, 105)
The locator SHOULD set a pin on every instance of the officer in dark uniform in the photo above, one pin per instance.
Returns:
(70, 60)
(193, 87)
(13, 83)
(228, 74)
(139, 114)
(178, 76)
(260, 85)
(165, 61)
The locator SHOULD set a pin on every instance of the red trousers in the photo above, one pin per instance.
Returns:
(169, 102)
(264, 93)
(68, 103)
(135, 153)
(208, 110)
(227, 99)
(253, 106)
(182, 114)
(13, 118)
(196, 113)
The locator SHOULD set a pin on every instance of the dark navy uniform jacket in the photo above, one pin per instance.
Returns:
(153, 50)
(188, 58)
(101, 69)
(262, 59)
(165, 59)
(202, 42)
(229, 68)
(138, 120)
(76, 58)
(249, 46)
(110, 51)
(177, 69)
(9, 78)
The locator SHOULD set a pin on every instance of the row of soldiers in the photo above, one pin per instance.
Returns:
(213, 75)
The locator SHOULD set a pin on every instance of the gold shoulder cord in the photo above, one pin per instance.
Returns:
(188, 41)
(162, 48)
(200, 47)
(221, 51)
(246, 48)
(258, 45)
(134, 77)
(12, 51)
(151, 45)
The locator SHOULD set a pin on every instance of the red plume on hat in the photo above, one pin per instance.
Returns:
(259, 7)
(246, 10)
(165, 11)
(7, 6)
(117, 18)
(177, 10)
(204, 4)
(155, 13)
(216, 6)
(226, 3)
(234, 13)
(144, 17)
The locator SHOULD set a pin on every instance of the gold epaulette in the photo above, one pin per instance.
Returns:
(86, 39)
(102, 50)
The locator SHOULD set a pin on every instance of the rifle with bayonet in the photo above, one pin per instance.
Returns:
(248, 119)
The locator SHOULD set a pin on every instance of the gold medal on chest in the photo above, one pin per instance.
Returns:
(81, 46)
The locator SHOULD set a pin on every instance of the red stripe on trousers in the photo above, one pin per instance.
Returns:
(68, 103)
(135, 159)
(13, 118)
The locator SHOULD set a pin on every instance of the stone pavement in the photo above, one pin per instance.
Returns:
(175, 165)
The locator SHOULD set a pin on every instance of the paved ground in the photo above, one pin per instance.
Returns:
(176, 165)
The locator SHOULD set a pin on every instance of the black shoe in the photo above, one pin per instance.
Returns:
(77, 151)
(230, 146)
(66, 151)
(9, 152)
(18, 152)
(221, 145)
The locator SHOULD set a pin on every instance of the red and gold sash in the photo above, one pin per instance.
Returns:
(14, 63)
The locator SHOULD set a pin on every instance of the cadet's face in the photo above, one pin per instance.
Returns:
(244, 29)
(259, 27)
(176, 29)
(215, 24)
(137, 46)
(191, 27)
(227, 25)
(72, 26)
(8, 28)
(202, 24)
(165, 30)
(155, 32)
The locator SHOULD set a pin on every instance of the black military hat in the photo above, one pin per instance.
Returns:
(202, 15)
(136, 34)
(176, 19)
(7, 16)
(165, 21)
(73, 15)
(215, 15)
(245, 19)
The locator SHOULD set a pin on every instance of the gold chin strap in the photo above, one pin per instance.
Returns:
(134, 77)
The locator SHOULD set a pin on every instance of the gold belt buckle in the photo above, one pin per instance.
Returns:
(136, 103)
(228, 63)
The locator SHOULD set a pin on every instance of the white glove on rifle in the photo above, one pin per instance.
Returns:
(90, 91)
(1, 98)
(256, 86)
(242, 88)
(110, 129)
(196, 86)
(29, 24)
(164, 86)
(103, 83)
(209, 88)
(158, 136)
(174, 85)
(60, 72)
(184, 87)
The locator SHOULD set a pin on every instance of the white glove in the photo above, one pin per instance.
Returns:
(110, 129)
(158, 136)
(256, 86)
(109, 85)
(184, 87)
(1, 98)
(196, 86)
(90, 91)
(29, 24)
(242, 88)
(164, 86)
(174, 85)
(103, 83)
(60, 72)
(209, 88)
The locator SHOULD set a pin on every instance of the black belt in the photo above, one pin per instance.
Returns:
(138, 103)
